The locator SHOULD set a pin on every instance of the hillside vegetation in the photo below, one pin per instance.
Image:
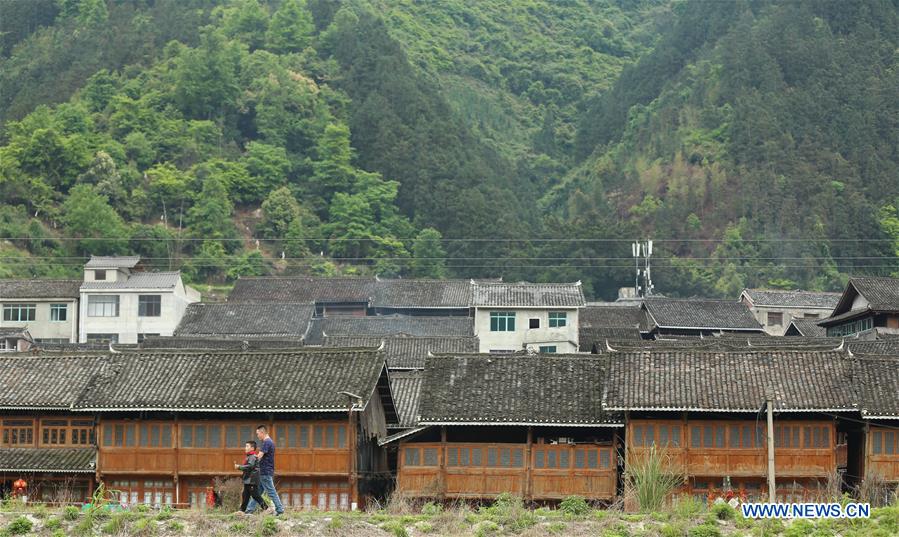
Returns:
(757, 141)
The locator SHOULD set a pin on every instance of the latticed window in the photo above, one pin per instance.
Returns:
(558, 319)
(502, 321)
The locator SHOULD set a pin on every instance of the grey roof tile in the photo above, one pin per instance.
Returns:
(115, 261)
(730, 381)
(231, 343)
(272, 381)
(511, 389)
(303, 290)
(700, 314)
(387, 325)
(406, 388)
(39, 288)
(878, 386)
(527, 295)
(58, 460)
(793, 299)
(46, 381)
(882, 294)
(808, 327)
(404, 351)
(421, 293)
(137, 280)
(246, 320)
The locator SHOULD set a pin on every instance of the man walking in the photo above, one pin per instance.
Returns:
(267, 470)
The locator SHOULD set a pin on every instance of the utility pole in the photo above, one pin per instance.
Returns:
(769, 404)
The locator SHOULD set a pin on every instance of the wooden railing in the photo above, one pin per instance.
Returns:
(737, 448)
(475, 470)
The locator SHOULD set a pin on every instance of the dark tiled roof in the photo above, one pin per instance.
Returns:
(527, 295)
(588, 336)
(137, 280)
(882, 294)
(303, 290)
(45, 381)
(72, 460)
(246, 320)
(115, 261)
(300, 381)
(793, 299)
(883, 347)
(386, 325)
(808, 327)
(878, 387)
(731, 381)
(607, 316)
(220, 343)
(12, 331)
(19, 289)
(698, 313)
(422, 294)
(407, 352)
(514, 389)
(406, 388)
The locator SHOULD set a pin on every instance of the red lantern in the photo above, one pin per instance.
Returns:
(210, 497)
(19, 486)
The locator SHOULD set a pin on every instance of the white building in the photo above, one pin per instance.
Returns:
(48, 309)
(123, 304)
(509, 317)
(775, 309)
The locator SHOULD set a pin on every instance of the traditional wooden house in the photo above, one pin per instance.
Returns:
(698, 317)
(169, 423)
(877, 444)
(776, 308)
(869, 306)
(705, 410)
(436, 298)
(331, 296)
(525, 424)
(599, 322)
(43, 442)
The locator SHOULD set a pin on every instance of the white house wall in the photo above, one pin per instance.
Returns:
(42, 327)
(564, 338)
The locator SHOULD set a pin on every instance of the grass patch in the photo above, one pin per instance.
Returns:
(268, 527)
(704, 530)
(71, 513)
(574, 506)
(649, 479)
(395, 528)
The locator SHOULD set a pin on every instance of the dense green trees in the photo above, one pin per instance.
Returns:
(754, 140)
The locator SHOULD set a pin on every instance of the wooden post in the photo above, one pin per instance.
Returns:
(353, 454)
(176, 437)
(528, 490)
(442, 459)
(772, 487)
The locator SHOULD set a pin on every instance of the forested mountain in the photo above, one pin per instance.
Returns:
(756, 141)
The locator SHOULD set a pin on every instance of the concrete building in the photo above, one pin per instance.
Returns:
(47, 308)
(509, 317)
(775, 309)
(121, 303)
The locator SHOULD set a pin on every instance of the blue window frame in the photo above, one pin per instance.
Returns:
(558, 319)
(502, 321)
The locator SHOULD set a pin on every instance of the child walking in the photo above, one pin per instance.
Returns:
(250, 469)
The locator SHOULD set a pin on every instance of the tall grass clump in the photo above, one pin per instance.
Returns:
(649, 479)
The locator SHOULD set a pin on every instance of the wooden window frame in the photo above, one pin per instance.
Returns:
(11, 428)
(71, 429)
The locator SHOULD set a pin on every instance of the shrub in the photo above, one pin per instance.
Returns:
(723, 511)
(239, 527)
(396, 528)
(115, 525)
(509, 511)
(229, 490)
(672, 530)
(649, 478)
(19, 526)
(574, 506)
(488, 527)
(704, 530)
(70, 512)
(145, 526)
(53, 524)
(176, 526)
(431, 509)
(165, 513)
(269, 526)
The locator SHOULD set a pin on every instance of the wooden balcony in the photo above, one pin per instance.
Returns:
(536, 471)
(737, 448)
